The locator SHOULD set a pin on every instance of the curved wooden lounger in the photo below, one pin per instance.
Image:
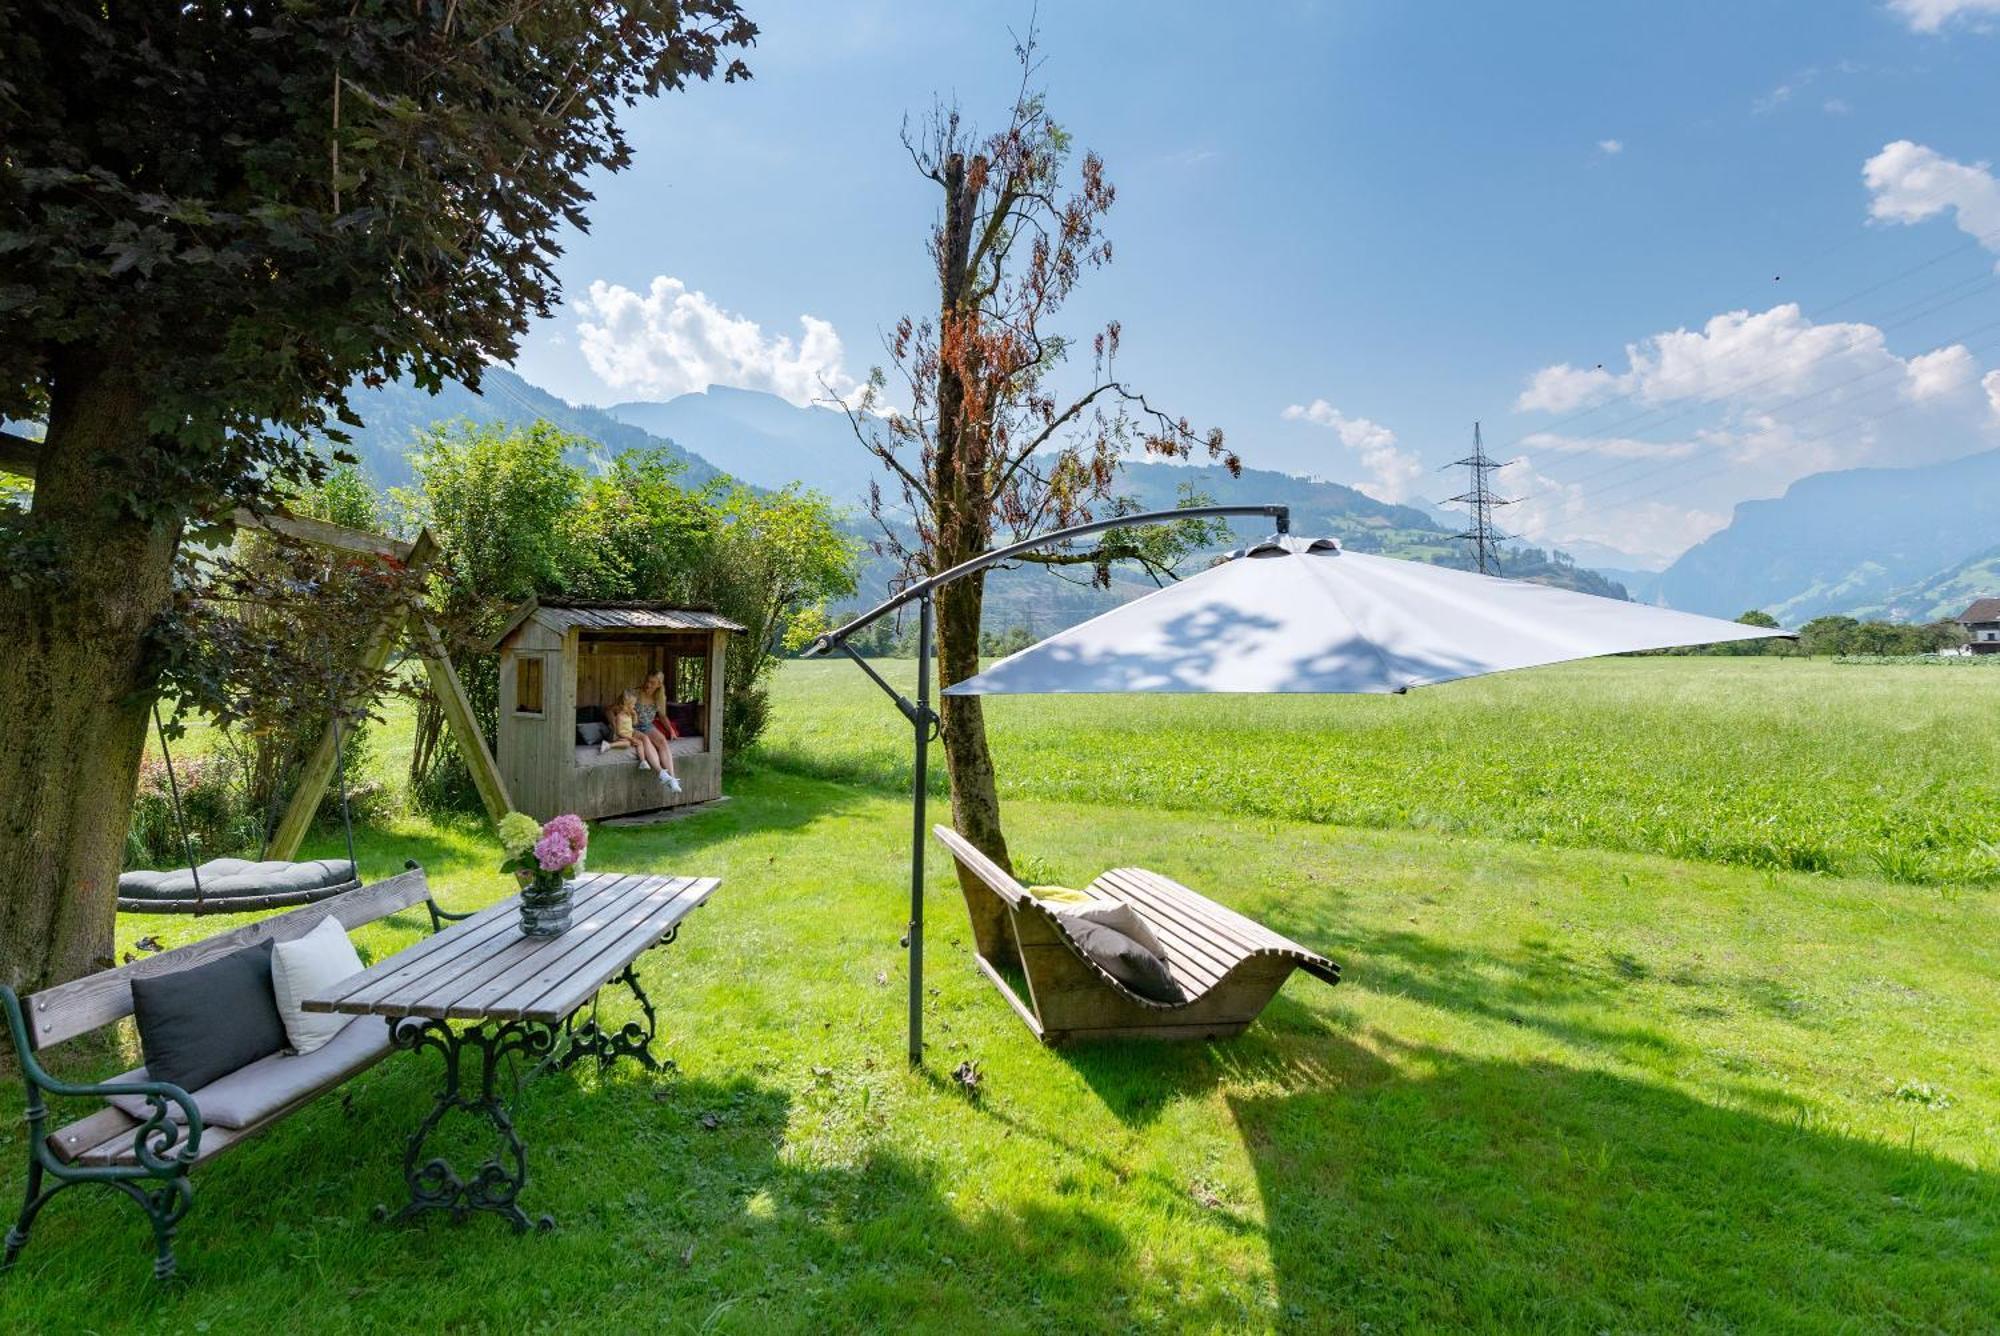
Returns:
(1229, 966)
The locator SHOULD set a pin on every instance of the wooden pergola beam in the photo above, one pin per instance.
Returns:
(463, 723)
(318, 770)
(321, 533)
(19, 455)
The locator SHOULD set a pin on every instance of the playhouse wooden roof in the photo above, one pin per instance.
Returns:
(612, 615)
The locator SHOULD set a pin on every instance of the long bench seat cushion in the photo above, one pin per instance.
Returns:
(201, 1023)
(237, 876)
(250, 1094)
(589, 757)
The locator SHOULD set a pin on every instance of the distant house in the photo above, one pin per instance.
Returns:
(1982, 622)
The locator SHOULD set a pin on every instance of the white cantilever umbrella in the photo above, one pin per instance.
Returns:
(1302, 615)
(1284, 615)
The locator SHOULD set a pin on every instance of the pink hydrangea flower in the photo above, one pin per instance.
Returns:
(570, 826)
(553, 852)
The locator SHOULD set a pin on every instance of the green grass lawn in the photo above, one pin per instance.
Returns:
(1562, 1087)
(1812, 766)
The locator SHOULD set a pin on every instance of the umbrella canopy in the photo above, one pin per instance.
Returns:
(1302, 615)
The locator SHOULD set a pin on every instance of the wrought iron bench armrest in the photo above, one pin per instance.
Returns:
(40, 1081)
(439, 916)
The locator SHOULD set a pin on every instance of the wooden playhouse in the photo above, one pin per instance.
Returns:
(564, 661)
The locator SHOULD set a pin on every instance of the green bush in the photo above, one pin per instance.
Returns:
(221, 821)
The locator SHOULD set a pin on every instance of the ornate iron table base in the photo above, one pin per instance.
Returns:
(633, 1040)
(496, 1185)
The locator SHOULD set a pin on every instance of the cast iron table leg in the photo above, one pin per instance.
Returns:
(496, 1185)
(588, 1039)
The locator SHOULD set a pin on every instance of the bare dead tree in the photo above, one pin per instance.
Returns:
(996, 441)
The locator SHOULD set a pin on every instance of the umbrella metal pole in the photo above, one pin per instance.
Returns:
(921, 724)
(924, 722)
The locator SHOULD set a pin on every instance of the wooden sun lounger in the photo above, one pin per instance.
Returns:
(1229, 966)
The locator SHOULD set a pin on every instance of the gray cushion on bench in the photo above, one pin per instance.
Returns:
(251, 1093)
(236, 876)
(1125, 959)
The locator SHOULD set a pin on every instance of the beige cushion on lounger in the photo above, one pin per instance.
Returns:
(251, 1093)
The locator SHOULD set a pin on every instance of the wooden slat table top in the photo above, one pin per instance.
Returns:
(483, 968)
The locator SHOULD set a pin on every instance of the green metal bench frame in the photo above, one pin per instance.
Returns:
(163, 1152)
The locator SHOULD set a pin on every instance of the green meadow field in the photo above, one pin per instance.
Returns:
(1802, 765)
(1669, 1005)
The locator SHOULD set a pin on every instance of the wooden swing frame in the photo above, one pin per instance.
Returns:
(17, 456)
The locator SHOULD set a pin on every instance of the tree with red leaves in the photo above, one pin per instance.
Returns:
(990, 443)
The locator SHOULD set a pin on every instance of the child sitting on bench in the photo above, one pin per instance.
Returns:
(646, 745)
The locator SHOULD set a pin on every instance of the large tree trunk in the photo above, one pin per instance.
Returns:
(975, 799)
(964, 528)
(73, 684)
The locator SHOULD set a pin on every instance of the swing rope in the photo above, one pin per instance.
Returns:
(174, 798)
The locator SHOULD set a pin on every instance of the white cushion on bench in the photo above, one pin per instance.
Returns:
(251, 1093)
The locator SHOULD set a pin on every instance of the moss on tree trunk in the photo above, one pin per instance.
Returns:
(74, 686)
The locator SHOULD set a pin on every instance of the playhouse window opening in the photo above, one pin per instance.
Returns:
(528, 684)
(608, 666)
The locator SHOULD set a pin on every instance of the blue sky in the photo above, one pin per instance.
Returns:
(1344, 231)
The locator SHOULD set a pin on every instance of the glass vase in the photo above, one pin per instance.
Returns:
(545, 900)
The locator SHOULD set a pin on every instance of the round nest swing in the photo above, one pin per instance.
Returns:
(235, 885)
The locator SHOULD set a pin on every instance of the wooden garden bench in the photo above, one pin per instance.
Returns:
(1229, 967)
(149, 1158)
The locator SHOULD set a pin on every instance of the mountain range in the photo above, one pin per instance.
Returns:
(768, 442)
(396, 415)
(1905, 543)
(1857, 540)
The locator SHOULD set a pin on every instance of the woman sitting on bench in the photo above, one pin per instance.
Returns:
(652, 719)
(651, 747)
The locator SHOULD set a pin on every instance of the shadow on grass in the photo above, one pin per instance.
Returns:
(1496, 1194)
(1289, 1048)
(1421, 1190)
(674, 1206)
(1409, 1187)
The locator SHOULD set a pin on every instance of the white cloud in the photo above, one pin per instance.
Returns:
(1939, 374)
(1610, 148)
(1782, 94)
(1933, 15)
(1908, 183)
(1549, 513)
(1835, 106)
(671, 340)
(1742, 406)
(1394, 472)
(1562, 388)
(1752, 362)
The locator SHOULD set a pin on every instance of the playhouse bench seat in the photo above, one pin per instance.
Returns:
(588, 757)
(1229, 966)
(146, 1147)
